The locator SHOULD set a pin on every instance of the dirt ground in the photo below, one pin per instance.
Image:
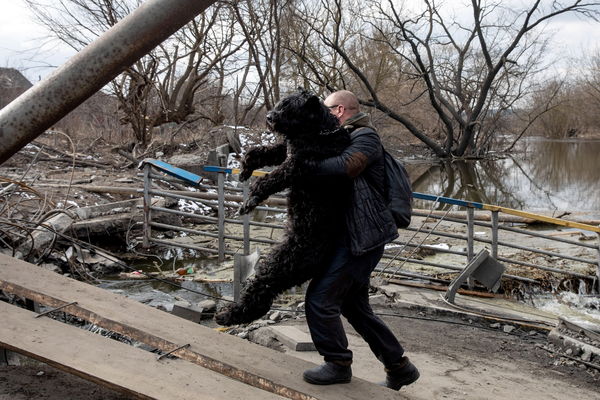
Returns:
(41, 381)
(462, 360)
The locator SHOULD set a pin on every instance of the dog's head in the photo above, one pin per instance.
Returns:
(301, 113)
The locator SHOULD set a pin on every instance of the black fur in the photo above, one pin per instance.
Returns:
(316, 204)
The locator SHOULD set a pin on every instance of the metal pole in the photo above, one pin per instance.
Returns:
(470, 241)
(92, 68)
(470, 232)
(237, 276)
(147, 206)
(495, 234)
(246, 219)
(598, 266)
(221, 191)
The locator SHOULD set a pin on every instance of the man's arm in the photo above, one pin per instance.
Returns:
(364, 148)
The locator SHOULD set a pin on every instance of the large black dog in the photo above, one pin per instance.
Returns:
(316, 204)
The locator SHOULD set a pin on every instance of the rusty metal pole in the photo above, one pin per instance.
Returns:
(147, 204)
(246, 219)
(221, 220)
(598, 266)
(92, 68)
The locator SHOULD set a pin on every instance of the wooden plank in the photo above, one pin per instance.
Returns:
(229, 355)
(116, 365)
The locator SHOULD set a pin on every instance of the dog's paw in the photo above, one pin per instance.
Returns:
(249, 205)
(245, 174)
(223, 317)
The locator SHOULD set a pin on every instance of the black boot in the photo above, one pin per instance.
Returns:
(328, 373)
(401, 374)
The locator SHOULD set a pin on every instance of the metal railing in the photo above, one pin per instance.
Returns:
(527, 252)
(226, 197)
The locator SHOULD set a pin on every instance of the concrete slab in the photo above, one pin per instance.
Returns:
(190, 312)
(293, 338)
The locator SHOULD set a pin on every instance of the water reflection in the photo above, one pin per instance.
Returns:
(543, 175)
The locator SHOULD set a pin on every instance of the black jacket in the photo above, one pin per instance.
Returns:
(369, 222)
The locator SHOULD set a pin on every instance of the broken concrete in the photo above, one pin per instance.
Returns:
(42, 238)
(195, 313)
(293, 338)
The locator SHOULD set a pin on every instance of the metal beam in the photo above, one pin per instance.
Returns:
(91, 69)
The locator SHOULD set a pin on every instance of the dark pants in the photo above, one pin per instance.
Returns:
(343, 289)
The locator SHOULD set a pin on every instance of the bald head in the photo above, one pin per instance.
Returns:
(343, 104)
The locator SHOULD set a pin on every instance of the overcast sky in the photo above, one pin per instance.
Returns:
(20, 42)
(21, 37)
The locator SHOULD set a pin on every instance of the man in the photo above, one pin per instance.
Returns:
(342, 287)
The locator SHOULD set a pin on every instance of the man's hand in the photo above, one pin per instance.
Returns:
(249, 205)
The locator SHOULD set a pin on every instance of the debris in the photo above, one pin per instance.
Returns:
(208, 306)
(377, 300)
(133, 275)
(185, 271)
(583, 236)
(443, 246)
(194, 313)
(51, 267)
(42, 238)
(293, 338)
(275, 316)
(508, 328)
(124, 180)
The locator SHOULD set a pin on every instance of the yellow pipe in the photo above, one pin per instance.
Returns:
(254, 173)
(543, 218)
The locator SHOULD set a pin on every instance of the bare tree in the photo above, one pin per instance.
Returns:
(471, 70)
(264, 25)
(588, 89)
(163, 86)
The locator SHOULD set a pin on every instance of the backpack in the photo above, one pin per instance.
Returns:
(398, 190)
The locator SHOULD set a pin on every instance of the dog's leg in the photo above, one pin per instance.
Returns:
(290, 264)
(255, 301)
(279, 179)
(262, 156)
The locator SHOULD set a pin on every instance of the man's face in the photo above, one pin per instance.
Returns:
(334, 107)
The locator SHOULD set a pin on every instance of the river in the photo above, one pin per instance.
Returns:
(542, 175)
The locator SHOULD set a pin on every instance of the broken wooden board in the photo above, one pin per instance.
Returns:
(226, 354)
(117, 365)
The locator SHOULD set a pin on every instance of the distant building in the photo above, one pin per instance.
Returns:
(12, 84)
